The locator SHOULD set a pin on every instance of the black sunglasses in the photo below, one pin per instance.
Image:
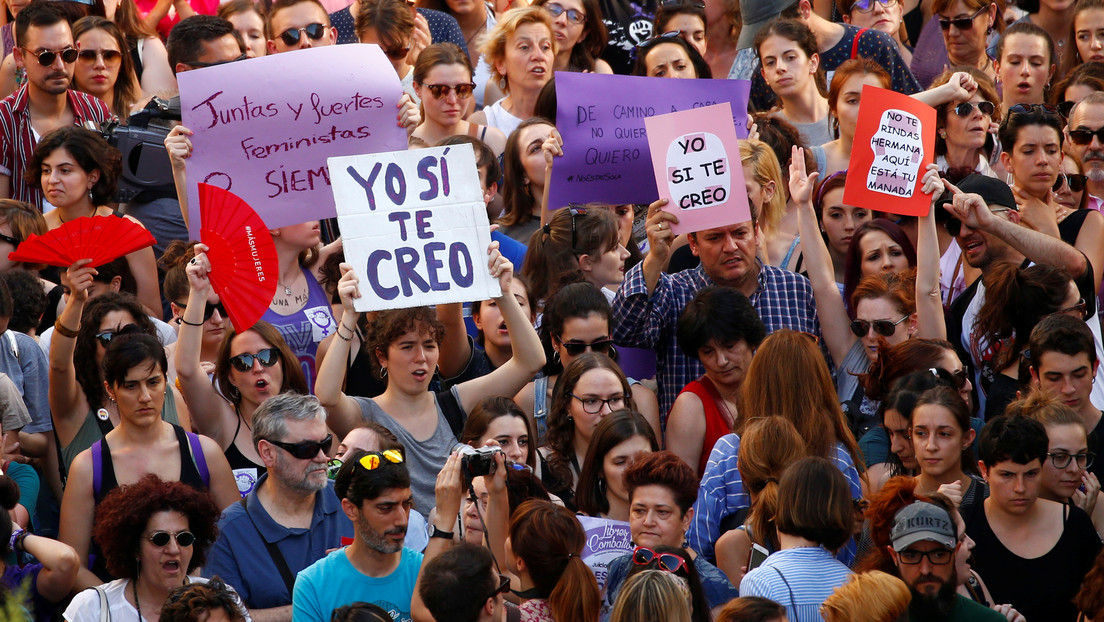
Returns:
(667, 36)
(884, 328)
(305, 450)
(202, 65)
(1080, 307)
(208, 311)
(1065, 108)
(575, 210)
(315, 31)
(441, 91)
(1084, 136)
(244, 362)
(161, 538)
(961, 23)
(47, 57)
(398, 53)
(966, 109)
(503, 586)
(1076, 182)
(10, 240)
(958, 378)
(575, 348)
(110, 57)
(105, 337)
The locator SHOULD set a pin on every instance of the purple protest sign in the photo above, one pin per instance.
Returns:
(606, 540)
(601, 118)
(266, 139)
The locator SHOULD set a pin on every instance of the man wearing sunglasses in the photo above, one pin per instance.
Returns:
(291, 519)
(298, 24)
(1085, 141)
(46, 52)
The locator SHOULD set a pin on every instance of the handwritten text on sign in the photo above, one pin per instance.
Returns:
(897, 149)
(701, 177)
(414, 227)
(268, 144)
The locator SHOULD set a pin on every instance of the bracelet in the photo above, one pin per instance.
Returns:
(64, 330)
(183, 321)
(15, 543)
(352, 333)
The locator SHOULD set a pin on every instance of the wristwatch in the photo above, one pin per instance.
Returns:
(434, 532)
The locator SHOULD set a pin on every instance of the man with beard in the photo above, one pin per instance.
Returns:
(374, 488)
(292, 517)
(924, 542)
(1085, 141)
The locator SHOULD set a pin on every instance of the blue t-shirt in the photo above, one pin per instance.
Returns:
(333, 581)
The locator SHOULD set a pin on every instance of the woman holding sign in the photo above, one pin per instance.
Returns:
(791, 67)
(406, 346)
(520, 50)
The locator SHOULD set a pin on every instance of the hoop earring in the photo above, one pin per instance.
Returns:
(233, 393)
(383, 373)
(556, 357)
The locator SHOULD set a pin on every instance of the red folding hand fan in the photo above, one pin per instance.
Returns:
(99, 238)
(243, 257)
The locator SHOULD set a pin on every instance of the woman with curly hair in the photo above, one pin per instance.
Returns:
(202, 602)
(153, 534)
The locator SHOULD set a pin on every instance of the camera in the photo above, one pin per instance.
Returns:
(146, 171)
(477, 462)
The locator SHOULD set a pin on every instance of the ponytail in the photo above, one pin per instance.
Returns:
(576, 595)
(550, 539)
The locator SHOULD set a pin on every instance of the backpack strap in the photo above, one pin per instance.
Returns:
(198, 458)
(273, 552)
(97, 468)
(453, 411)
(855, 42)
(105, 607)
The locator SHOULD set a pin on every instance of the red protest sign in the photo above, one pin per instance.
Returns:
(894, 142)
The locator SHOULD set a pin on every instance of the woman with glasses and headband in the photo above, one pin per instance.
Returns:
(134, 376)
(154, 533)
(1025, 62)
(576, 321)
(1066, 477)
(1071, 193)
(580, 35)
(965, 125)
(884, 15)
(102, 69)
(791, 67)
(1032, 138)
(688, 18)
(247, 368)
(966, 26)
(521, 51)
(444, 83)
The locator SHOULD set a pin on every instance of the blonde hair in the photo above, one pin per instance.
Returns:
(766, 169)
(868, 597)
(493, 47)
(651, 595)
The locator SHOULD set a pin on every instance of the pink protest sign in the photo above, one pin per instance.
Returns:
(696, 160)
(264, 127)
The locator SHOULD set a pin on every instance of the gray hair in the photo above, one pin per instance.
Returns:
(1096, 97)
(270, 418)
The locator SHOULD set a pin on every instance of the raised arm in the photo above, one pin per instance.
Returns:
(959, 88)
(343, 413)
(60, 565)
(528, 356)
(552, 148)
(179, 147)
(660, 237)
(929, 303)
(213, 415)
(834, 321)
(449, 492)
(66, 396)
(456, 348)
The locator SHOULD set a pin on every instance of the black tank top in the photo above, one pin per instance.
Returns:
(189, 472)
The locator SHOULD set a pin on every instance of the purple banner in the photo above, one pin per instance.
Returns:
(601, 117)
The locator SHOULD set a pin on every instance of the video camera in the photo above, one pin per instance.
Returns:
(146, 170)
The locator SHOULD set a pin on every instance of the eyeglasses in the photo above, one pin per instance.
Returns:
(208, 312)
(47, 57)
(954, 225)
(1029, 108)
(161, 538)
(314, 31)
(105, 337)
(575, 210)
(305, 450)
(958, 377)
(110, 57)
(372, 461)
(670, 562)
(244, 362)
(398, 53)
(441, 91)
(966, 109)
(574, 16)
(1076, 182)
(936, 557)
(667, 36)
(593, 405)
(867, 6)
(884, 328)
(1062, 459)
(1080, 308)
(195, 64)
(962, 23)
(1084, 136)
(860, 505)
(576, 348)
(10, 240)
(503, 586)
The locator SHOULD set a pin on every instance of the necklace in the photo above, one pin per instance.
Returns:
(137, 604)
(63, 221)
(482, 28)
(287, 288)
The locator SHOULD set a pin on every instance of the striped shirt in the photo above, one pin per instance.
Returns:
(17, 137)
(799, 579)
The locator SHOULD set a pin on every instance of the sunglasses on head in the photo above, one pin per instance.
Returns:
(208, 311)
(161, 538)
(957, 377)
(1076, 182)
(372, 460)
(106, 336)
(667, 36)
(1084, 136)
(670, 562)
(305, 450)
(244, 362)
(961, 23)
(314, 31)
(1029, 108)
(398, 53)
(574, 16)
(966, 109)
(110, 57)
(884, 328)
(577, 348)
(674, 4)
(441, 91)
(47, 57)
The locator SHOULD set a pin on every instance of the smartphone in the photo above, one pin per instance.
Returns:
(758, 555)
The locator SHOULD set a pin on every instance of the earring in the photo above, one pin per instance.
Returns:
(602, 485)
(556, 357)
(383, 373)
(943, 134)
(234, 394)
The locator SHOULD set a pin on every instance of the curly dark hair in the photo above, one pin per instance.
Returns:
(187, 603)
(90, 151)
(90, 377)
(389, 326)
(122, 516)
(29, 301)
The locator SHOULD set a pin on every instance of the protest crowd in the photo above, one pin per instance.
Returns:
(807, 408)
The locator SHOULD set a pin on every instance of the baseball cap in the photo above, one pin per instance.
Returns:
(922, 521)
(992, 190)
(755, 14)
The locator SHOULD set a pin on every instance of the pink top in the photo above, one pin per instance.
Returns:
(203, 7)
(536, 610)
